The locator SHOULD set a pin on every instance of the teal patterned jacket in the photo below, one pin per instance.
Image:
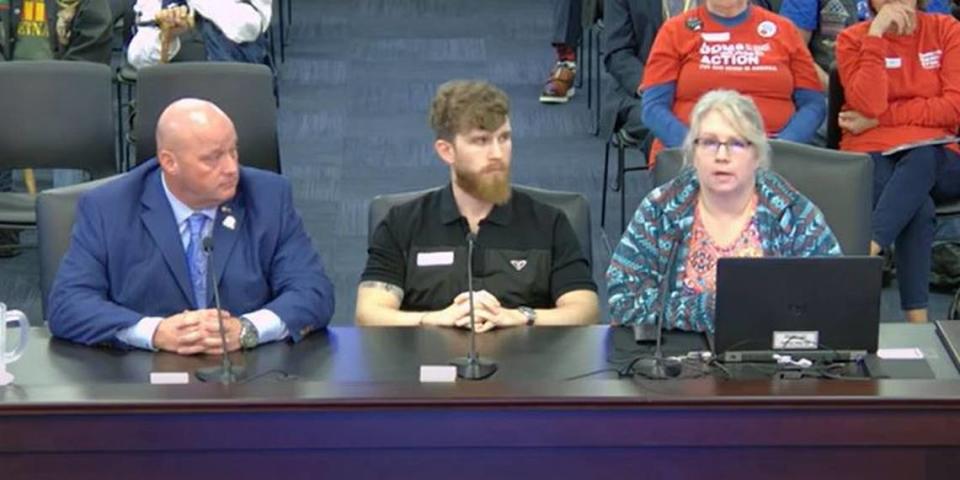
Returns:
(790, 225)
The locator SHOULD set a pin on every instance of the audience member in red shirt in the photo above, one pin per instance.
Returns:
(901, 80)
(731, 44)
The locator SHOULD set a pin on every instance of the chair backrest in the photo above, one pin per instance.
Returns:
(572, 204)
(56, 211)
(834, 104)
(839, 183)
(244, 91)
(57, 114)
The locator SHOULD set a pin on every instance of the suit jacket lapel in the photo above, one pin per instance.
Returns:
(157, 216)
(226, 231)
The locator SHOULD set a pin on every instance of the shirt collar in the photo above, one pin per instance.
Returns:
(449, 213)
(181, 212)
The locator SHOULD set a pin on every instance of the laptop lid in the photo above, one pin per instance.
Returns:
(798, 304)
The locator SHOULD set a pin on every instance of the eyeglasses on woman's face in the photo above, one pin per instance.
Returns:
(733, 146)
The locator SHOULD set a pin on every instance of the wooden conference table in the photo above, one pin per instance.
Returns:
(347, 403)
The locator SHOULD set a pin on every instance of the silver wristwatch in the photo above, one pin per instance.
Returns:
(249, 336)
(530, 313)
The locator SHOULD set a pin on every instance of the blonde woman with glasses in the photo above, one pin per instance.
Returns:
(724, 203)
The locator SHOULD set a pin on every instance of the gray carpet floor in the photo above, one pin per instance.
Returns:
(355, 88)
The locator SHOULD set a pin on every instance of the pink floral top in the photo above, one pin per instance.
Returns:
(700, 270)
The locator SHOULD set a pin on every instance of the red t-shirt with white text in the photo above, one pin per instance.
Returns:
(763, 57)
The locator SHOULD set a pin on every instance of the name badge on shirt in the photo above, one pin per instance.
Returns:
(894, 62)
(715, 36)
(434, 259)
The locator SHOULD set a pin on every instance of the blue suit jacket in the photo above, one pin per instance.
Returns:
(126, 260)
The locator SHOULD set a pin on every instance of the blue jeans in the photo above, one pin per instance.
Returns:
(905, 186)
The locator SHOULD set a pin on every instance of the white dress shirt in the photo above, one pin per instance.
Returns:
(240, 20)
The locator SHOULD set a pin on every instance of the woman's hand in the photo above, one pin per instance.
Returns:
(855, 122)
(895, 18)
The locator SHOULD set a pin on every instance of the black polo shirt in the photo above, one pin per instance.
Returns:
(526, 253)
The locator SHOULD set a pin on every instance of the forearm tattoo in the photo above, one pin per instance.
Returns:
(393, 289)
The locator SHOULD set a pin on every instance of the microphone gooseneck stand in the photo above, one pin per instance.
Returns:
(659, 367)
(472, 367)
(227, 372)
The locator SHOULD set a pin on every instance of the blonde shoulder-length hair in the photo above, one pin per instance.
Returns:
(740, 113)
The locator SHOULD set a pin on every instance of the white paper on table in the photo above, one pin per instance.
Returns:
(900, 353)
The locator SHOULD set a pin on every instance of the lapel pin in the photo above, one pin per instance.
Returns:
(230, 222)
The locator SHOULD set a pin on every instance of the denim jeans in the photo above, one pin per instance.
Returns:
(905, 186)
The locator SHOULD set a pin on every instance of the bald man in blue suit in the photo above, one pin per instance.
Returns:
(136, 273)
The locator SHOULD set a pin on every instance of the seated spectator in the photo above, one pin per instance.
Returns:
(901, 81)
(724, 203)
(232, 30)
(629, 29)
(56, 30)
(734, 45)
(820, 21)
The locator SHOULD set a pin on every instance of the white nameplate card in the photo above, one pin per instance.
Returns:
(169, 378)
(434, 259)
(900, 353)
(438, 373)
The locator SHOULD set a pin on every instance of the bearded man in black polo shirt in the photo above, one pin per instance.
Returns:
(528, 266)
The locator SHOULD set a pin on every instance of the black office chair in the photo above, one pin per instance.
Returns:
(192, 49)
(55, 114)
(839, 183)
(622, 141)
(834, 104)
(572, 204)
(56, 212)
(244, 91)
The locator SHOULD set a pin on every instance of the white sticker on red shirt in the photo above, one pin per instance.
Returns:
(930, 60)
(715, 37)
(894, 62)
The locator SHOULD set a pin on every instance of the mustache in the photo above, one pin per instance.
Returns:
(495, 167)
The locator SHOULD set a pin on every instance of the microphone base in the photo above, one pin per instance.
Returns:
(474, 368)
(219, 374)
(658, 368)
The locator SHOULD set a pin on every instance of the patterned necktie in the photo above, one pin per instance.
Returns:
(196, 259)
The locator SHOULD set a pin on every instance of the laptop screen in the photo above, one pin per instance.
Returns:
(798, 304)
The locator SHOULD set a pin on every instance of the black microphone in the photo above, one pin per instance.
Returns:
(659, 367)
(472, 367)
(227, 372)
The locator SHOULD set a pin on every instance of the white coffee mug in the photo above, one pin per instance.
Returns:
(8, 317)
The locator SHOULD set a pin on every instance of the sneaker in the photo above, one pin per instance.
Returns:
(559, 87)
(9, 241)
